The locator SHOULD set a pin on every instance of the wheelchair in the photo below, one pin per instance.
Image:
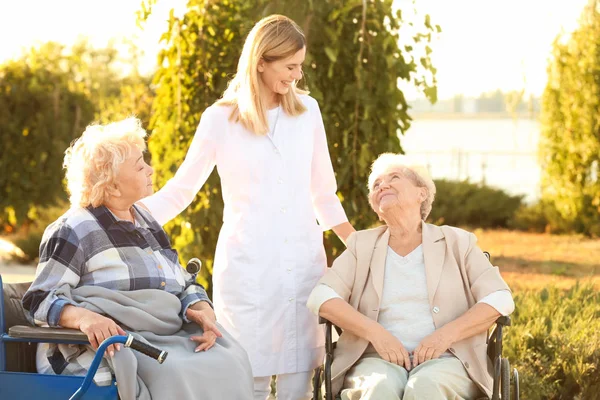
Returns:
(18, 344)
(505, 386)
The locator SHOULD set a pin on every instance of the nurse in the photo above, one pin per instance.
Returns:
(266, 138)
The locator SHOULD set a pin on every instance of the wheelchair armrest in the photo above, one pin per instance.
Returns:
(39, 333)
(504, 321)
(329, 324)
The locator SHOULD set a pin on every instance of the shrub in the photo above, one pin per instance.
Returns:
(540, 217)
(462, 203)
(554, 342)
(29, 237)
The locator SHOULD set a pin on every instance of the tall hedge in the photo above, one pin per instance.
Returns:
(570, 137)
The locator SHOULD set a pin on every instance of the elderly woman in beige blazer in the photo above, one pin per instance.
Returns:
(414, 300)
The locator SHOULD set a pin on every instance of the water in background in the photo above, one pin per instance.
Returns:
(500, 152)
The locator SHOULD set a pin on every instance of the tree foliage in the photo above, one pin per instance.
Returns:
(353, 66)
(570, 137)
(40, 112)
(47, 98)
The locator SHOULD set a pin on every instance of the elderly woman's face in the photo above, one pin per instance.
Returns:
(393, 191)
(134, 179)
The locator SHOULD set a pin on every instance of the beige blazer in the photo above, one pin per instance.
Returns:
(458, 275)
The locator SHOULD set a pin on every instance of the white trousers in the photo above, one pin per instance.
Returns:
(297, 386)
(439, 379)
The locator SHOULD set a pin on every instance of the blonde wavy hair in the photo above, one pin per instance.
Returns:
(273, 38)
(92, 161)
(410, 169)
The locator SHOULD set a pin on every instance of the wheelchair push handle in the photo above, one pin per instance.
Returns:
(147, 349)
(128, 341)
(193, 266)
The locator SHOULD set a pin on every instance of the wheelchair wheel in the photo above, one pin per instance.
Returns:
(317, 379)
(515, 385)
(505, 379)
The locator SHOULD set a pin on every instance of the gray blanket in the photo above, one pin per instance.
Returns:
(220, 373)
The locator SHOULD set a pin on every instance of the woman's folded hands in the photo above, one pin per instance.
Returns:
(389, 347)
(433, 346)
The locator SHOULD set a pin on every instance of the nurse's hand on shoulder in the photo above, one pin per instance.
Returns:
(343, 231)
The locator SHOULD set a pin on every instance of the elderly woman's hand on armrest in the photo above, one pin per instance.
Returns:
(97, 327)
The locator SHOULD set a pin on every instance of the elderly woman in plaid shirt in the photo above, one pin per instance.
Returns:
(106, 240)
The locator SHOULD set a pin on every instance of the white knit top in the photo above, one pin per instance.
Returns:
(404, 309)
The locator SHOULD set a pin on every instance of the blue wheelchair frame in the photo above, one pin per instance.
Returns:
(24, 385)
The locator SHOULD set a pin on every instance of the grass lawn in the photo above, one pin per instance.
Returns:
(526, 260)
(535, 260)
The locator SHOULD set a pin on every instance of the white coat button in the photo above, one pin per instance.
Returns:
(283, 210)
(280, 181)
(291, 299)
(285, 240)
(276, 151)
(289, 269)
(436, 309)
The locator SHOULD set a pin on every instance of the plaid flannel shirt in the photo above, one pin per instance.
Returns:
(90, 246)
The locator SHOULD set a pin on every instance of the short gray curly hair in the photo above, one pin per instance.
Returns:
(411, 169)
(92, 161)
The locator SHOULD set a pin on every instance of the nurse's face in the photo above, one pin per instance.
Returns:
(277, 77)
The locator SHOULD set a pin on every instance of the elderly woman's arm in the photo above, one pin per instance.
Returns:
(59, 270)
(493, 300)
(477, 319)
(194, 297)
(97, 327)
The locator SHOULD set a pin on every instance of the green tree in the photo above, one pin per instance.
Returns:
(570, 138)
(40, 113)
(353, 66)
(47, 98)
(111, 80)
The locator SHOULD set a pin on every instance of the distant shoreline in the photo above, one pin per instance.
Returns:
(459, 115)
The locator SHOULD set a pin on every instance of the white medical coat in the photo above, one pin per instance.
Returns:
(270, 251)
